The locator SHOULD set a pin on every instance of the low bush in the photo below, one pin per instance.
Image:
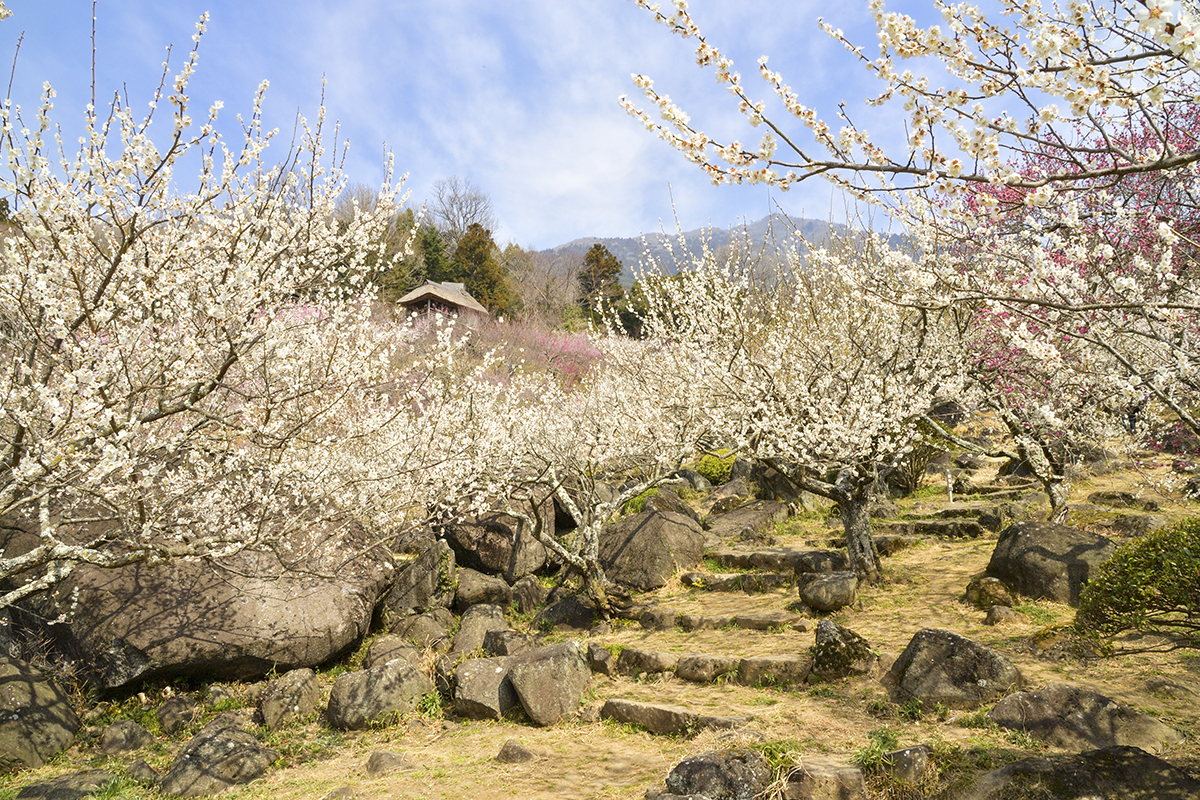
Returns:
(1151, 584)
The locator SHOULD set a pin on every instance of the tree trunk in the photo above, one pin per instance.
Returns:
(860, 542)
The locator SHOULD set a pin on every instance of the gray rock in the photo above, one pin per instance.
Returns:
(774, 670)
(290, 697)
(798, 560)
(1077, 719)
(124, 735)
(1002, 615)
(909, 765)
(1042, 560)
(695, 479)
(770, 621)
(216, 759)
(984, 591)
(476, 622)
(1114, 772)
(73, 786)
(601, 659)
(360, 698)
(237, 617)
(840, 652)
(829, 592)
(218, 693)
(176, 713)
(388, 647)
(528, 594)
(475, 588)
(823, 778)
(757, 517)
(637, 661)
(513, 752)
(702, 622)
(508, 643)
(942, 667)
(572, 611)
(143, 773)
(430, 629)
(341, 793)
(659, 618)
(550, 681)
(644, 551)
(664, 719)
(424, 583)
(482, 689)
(702, 668)
(383, 762)
(499, 544)
(722, 775)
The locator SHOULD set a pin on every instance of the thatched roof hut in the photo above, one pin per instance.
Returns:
(447, 298)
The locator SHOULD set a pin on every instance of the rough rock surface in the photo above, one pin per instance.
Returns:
(840, 652)
(780, 670)
(482, 689)
(36, 718)
(703, 668)
(637, 661)
(124, 735)
(722, 775)
(1114, 772)
(238, 618)
(643, 551)
(475, 588)
(823, 778)
(513, 752)
(72, 786)
(829, 592)
(550, 681)
(359, 698)
(1077, 719)
(664, 719)
(758, 517)
(476, 622)
(383, 762)
(289, 698)
(425, 582)
(218, 757)
(984, 591)
(431, 629)
(499, 544)
(389, 646)
(176, 713)
(1043, 560)
(942, 667)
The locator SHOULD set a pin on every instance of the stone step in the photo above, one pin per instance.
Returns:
(943, 528)
(748, 582)
(665, 719)
(780, 559)
(754, 621)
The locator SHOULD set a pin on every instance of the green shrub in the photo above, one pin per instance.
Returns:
(1151, 584)
(872, 758)
(716, 467)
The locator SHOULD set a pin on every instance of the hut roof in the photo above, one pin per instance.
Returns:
(449, 294)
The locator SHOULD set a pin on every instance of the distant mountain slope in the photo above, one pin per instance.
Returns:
(771, 234)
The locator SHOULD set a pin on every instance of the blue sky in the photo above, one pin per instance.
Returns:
(517, 96)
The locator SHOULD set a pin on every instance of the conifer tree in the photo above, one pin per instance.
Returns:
(475, 261)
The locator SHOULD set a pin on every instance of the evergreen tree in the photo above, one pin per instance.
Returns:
(600, 279)
(475, 260)
(436, 264)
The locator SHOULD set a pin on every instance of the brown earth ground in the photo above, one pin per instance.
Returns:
(923, 587)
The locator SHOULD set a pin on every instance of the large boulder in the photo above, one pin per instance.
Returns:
(477, 622)
(550, 681)
(1077, 719)
(425, 582)
(943, 667)
(239, 617)
(500, 544)
(36, 719)
(475, 588)
(72, 786)
(219, 757)
(482, 689)
(1114, 772)
(1043, 560)
(828, 592)
(644, 550)
(360, 698)
(722, 775)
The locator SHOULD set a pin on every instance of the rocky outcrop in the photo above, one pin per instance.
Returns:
(424, 582)
(1124, 772)
(216, 759)
(499, 544)
(550, 681)
(840, 652)
(289, 698)
(721, 775)
(360, 698)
